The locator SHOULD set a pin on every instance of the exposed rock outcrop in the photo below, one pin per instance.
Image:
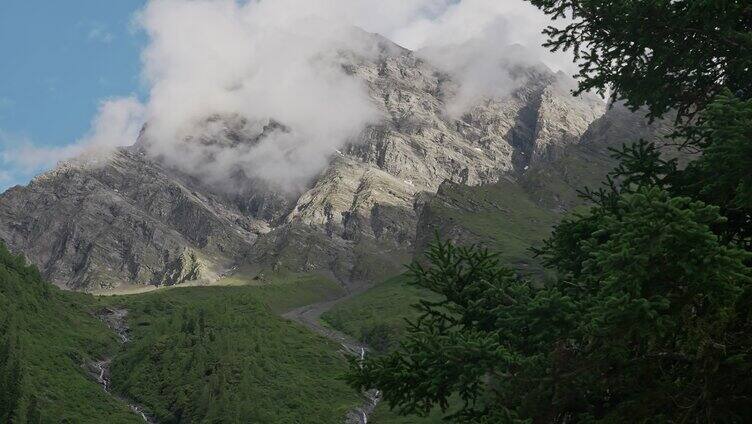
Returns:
(130, 220)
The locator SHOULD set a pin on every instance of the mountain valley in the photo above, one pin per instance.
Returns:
(222, 260)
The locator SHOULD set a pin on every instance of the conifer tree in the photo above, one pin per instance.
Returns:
(650, 318)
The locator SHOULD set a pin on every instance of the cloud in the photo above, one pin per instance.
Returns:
(272, 70)
(117, 123)
(263, 62)
(482, 43)
(275, 61)
(458, 22)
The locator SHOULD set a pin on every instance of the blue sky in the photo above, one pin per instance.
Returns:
(59, 60)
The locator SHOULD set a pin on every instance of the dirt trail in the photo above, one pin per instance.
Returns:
(310, 316)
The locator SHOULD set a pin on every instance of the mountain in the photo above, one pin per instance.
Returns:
(518, 211)
(131, 219)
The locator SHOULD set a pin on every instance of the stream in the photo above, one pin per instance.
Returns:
(115, 319)
(309, 316)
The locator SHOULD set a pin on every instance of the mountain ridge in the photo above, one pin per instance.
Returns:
(132, 219)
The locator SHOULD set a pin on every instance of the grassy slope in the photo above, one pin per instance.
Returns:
(500, 216)
(387, 305)
(198, 354)
(378, 318)
(221, 354)
(284, 290)
(50, 335)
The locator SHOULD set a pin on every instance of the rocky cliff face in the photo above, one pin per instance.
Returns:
(368, 200)
(130, 219)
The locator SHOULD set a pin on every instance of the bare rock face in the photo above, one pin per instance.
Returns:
(369, 193)
(127, 221)
(132, 219)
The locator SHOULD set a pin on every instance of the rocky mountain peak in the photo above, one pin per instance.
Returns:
(133, 218)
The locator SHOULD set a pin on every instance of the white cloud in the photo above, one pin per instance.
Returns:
(260, 61)
(480, 42)
(275, 60)
(117, 123)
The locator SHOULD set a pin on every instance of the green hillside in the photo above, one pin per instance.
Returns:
(197, 354)
(220, 354)
(501, 217)
(47, 337)
(377, 317)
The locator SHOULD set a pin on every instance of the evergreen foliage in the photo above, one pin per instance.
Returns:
(649, 318)
(646, 325)
(723, 174)
(47, 337)
(219, 354)
(663, 54)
